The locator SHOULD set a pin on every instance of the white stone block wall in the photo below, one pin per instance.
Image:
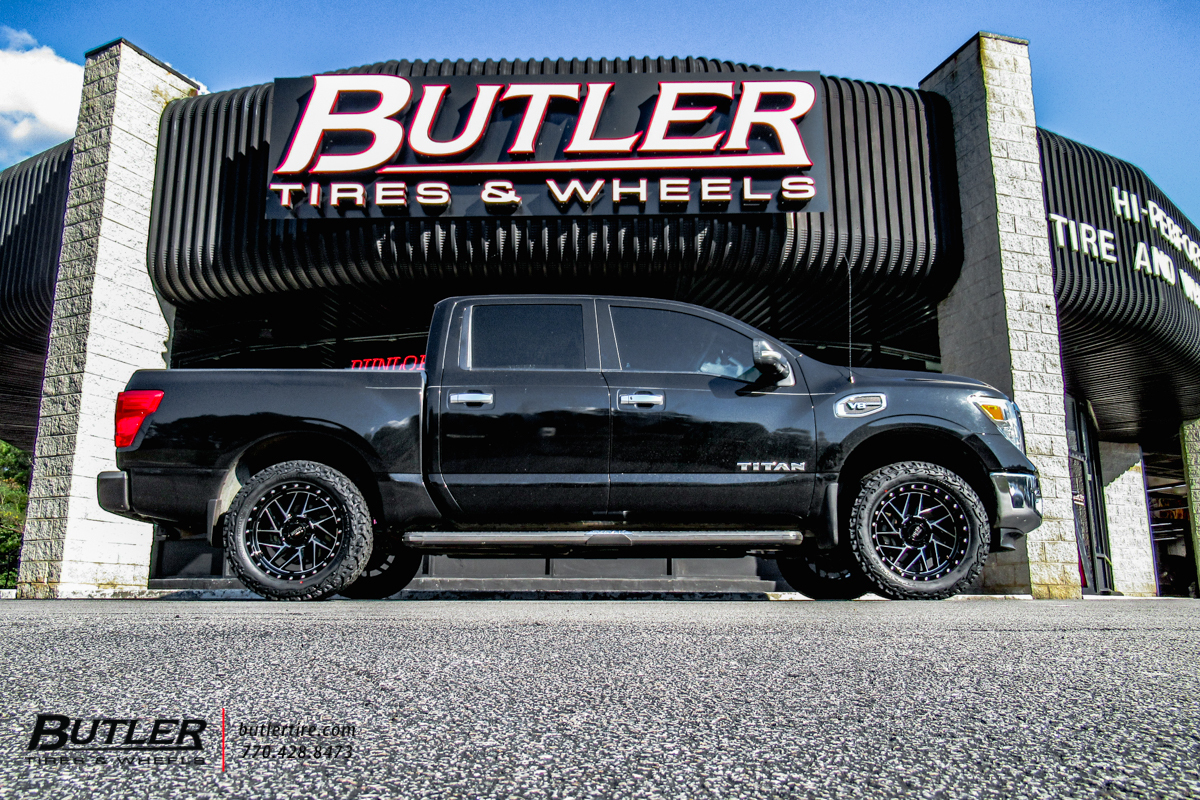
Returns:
(1189, 440)
(107, 323)
(1129, 544)
(1000, 322)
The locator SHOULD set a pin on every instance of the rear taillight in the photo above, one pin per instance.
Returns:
(132, 408)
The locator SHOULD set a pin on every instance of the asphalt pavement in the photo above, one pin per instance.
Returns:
(655, 699)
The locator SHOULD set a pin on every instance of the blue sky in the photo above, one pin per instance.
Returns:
(1119, 76)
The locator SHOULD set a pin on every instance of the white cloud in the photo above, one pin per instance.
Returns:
(39, 97)
(17, 40)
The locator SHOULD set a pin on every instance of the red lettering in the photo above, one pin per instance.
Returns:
(411, 363)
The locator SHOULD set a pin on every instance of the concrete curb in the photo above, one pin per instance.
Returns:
(791, 596)
(417, 596)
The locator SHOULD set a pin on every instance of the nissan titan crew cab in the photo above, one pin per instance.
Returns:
(580, 426)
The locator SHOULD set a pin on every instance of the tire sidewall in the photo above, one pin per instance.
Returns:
(353, 551)
(874, 487)
(811, 573)
(397, 573)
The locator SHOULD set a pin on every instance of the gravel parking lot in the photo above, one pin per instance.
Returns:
(1004, 699)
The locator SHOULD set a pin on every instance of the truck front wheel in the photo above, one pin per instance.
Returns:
(298, 530)
(918, 531)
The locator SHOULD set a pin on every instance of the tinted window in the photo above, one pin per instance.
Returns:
(653, 340)
(527, 337)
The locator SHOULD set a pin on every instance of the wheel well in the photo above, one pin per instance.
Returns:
(927, 445)
(325, 450)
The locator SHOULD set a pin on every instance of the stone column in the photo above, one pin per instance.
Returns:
(107, 323)
(1000, 323)
(1130, 546)
(1189, 441)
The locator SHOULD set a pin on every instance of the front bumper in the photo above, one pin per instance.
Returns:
(1018, 503)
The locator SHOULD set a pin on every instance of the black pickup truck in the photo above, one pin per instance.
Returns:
(580, 426)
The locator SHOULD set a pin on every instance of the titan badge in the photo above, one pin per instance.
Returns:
(771, 466)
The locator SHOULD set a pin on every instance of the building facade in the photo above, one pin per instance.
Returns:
(930, 229)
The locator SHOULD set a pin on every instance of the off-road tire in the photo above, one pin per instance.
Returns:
(885, 530)
(824, 574)
(391, 568)
(260, 522)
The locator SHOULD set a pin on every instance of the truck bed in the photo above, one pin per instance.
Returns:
(210, 420)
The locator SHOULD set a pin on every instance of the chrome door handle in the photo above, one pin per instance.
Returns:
(642, 399)
(471, 397)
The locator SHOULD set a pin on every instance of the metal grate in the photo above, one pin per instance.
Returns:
(33, 200)
(1130, 342)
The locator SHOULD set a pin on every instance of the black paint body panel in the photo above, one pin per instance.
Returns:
(469, 444)
(540, 450)
(209, 420)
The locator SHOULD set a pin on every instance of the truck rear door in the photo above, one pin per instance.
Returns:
(524, 428)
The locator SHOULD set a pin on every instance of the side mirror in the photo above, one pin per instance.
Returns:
(770, 362)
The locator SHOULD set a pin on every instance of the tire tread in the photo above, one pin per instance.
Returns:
(898, 470)
(359, 531)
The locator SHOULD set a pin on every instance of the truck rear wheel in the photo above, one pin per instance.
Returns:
(918, 531)
(391, 568)
(824, 574)
(298, 530)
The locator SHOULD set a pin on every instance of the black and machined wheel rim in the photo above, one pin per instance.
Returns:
(295, 530)
(920, 531)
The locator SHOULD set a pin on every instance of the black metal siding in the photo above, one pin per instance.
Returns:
(894, 223)
(1130, 341)
(33, 199)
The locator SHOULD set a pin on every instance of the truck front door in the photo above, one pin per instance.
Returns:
(696, 434)
(524, 413)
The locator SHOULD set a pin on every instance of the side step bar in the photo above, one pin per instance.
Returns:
(472, 539)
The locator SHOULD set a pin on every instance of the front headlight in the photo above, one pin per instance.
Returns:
(1005, 415)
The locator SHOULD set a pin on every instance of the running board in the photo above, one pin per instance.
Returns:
(488, 539)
